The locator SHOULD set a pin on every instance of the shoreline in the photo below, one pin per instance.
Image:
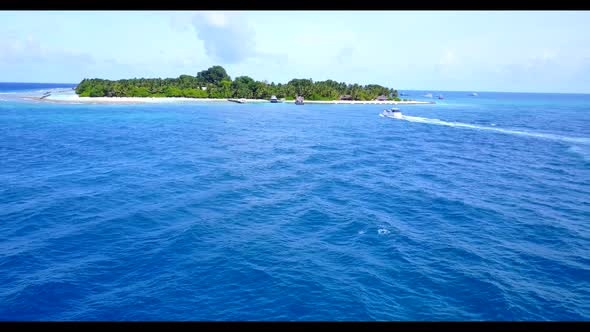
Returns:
(75, 99)
(370, 102)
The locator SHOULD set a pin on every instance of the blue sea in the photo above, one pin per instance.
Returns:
(475, 208)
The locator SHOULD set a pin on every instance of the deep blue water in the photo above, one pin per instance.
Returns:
(6, 87)
(475, 208)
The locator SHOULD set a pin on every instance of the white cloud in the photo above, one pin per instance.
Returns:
(227, 37)
(549, 54)
(345, 54)
(217, 19)
(17, 51)
(448, 58)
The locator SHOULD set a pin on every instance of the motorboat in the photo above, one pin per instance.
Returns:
(274, 99)
(428, 95)
(392, 113)
(441, 97)
(474, 94)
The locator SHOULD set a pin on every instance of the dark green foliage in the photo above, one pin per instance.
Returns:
(218, 84)
(213, 75)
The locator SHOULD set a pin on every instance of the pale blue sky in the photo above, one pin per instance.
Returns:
(529, 51)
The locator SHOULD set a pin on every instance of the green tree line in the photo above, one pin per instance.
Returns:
(216, 83)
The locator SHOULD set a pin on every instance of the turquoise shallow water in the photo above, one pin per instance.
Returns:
(475, 208)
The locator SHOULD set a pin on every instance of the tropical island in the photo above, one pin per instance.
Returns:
(215, 84)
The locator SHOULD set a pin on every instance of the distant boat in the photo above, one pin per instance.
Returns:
(473, 94)
(441, 97)
(299, 100)
(273, 99)
(428, 95)
(392, 113)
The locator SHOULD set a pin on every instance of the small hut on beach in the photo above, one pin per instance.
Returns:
(381, 98)
(346, 97)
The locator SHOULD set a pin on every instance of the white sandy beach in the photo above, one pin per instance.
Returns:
(371, 102)
(74, 98)
(70, 97)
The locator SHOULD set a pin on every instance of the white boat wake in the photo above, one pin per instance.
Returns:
(579, 140)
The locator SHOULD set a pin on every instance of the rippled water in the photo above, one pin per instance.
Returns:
(475, 208)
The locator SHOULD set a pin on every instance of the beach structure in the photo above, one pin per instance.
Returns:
(239, 101)
(299, 100)
(381, 98)
(346, 97)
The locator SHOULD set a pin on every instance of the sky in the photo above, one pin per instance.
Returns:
(512, 51)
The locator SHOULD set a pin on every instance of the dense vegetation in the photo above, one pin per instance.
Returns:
(216, 83)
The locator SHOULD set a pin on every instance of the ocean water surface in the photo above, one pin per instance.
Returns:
(474, 208)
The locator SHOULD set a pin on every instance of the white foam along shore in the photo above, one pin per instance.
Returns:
(374, 102)
(74, 98)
